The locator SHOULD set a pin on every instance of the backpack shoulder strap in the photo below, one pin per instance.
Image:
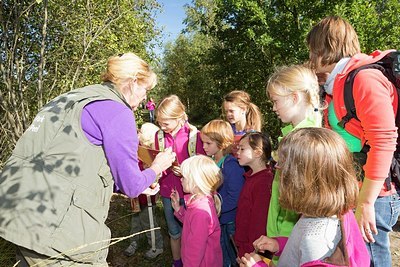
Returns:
(389, 65)
(160, 139)
(192, 143)
(348, 93)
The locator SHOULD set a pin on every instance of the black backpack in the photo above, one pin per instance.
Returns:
(389, 65)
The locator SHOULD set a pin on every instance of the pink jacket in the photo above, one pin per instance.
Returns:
(201, 232)
(179, 144)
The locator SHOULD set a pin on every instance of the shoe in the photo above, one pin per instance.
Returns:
(129, 251)
(151, 254)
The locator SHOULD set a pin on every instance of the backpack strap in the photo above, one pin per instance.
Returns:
(192, 143)
(348, 93)
(160, 139)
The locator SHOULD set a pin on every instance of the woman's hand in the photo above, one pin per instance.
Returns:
(264, 243)
(365, 211)
(163, 161)
(175, 200)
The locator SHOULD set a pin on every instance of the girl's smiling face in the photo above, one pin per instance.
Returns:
(169, 125)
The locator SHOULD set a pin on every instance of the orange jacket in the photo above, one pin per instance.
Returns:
(375, 99)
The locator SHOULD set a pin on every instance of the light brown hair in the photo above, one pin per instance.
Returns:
(332, 39)
(219, 131)
(172, 108)
(253, 114)
(317, 176)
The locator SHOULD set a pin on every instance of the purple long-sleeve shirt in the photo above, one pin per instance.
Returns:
(112, 125)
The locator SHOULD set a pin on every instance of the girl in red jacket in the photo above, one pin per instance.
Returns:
(252, 212)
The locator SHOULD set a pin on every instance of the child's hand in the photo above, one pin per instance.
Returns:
(176, 170)
(248, 260)
(264, 243)
(175, 200)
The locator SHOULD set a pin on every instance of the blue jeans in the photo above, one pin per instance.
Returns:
(387, 211)
(174, 226)
(151, 114)
(228, 251)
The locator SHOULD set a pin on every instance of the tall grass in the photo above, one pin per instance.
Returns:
(119, 221)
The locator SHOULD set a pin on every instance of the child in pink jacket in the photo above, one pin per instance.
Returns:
(201, 231)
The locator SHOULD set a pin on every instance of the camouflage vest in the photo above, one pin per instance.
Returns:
(55, 189)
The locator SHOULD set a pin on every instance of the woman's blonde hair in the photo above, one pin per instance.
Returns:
(147, 133)
(219, 131)
(297, 78)
(332, 39)
(317, 176)
(171, 107)
(253, 114)
(128, 66)
(202, 172)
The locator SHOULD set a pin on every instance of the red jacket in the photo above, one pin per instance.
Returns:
(375, 99)
(252, 211)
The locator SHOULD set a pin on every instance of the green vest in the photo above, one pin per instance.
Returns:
(56, 187)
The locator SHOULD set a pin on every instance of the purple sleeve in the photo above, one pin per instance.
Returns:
(112, 125)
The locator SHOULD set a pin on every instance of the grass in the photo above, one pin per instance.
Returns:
(119, 220)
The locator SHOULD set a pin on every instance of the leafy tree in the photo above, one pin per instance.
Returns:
(49, 47)
(252, 37)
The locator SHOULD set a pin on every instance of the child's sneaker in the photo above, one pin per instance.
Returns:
(151, 254)
(129, 251)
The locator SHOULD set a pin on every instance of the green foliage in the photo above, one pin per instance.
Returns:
(248, 39)
(50, 47)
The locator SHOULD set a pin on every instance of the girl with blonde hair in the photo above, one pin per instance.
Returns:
(217, 137)
(294, 91)
(318, 181)
(184, 139)
(201, 230)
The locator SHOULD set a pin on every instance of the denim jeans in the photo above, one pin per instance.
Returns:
(151, 114)
(174, 225)
(387, 211)
(228, 251)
